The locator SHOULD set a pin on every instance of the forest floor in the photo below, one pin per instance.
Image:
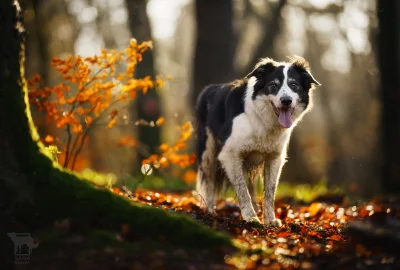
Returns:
(331, 232)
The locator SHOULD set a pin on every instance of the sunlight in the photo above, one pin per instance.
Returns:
(358, 40)
(118, 15)
(323, 23)
(164, 15)
(295, 19)
(337, 57)
(87, 15)
(88, 41)
(355, 23)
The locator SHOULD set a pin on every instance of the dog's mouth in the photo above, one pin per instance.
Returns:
(284, 115)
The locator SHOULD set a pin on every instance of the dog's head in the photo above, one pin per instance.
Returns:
(284, 87)
(12, 235)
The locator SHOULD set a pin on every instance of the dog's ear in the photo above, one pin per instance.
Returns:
(309, 79)
(263, 66)
(303, 67)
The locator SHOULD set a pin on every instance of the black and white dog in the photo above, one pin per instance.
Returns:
(244, 129)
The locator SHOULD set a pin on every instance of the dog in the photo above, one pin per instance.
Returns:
(243, 129)
(21, 239)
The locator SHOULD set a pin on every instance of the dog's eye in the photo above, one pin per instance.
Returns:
(272, 86)
(293, 84)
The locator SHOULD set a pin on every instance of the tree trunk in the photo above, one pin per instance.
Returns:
(389, 60)
(16, 136)
(147, 106)
(35, 194)
(42, 21)
(265, 48)
(215, 46)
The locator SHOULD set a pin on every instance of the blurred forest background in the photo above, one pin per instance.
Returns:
(198, 42)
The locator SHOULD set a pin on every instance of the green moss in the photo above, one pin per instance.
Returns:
(67, 196)
(306, 192)
(60, 195)
(95, 239)
(155, 182)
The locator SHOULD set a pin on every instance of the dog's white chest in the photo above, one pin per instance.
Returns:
(249, 135)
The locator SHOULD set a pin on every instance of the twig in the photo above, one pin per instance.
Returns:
(80, 147)
(68, 152)
(77, 137)
(68, 145)
(86, 132)
(202, 198)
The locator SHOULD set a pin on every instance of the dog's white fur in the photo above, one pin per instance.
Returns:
(255, 131)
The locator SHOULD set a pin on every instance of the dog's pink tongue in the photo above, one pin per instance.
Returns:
(285, 117)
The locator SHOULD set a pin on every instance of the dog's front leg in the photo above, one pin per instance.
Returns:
(272, 171)
(232, 163)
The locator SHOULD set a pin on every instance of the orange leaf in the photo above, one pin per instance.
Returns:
(314, 208)
(34, 80)
(88, 120)
(160, 121)
(77, 128)
(49, 139)
(111, 123)
(113, 114)
(336, 237)
(127, 141)
(55, 61)
(283, 234)
(62, 100)
(164, 147)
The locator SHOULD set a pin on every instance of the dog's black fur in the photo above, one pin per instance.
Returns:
(270, 100)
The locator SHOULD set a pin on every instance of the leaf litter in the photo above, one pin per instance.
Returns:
(312, 236)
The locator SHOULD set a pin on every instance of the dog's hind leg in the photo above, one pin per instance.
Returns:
(206, 176)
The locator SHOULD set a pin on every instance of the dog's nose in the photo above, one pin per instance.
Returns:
(286, 101)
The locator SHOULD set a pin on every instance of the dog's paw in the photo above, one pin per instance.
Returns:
(211, 211)
(273, 223)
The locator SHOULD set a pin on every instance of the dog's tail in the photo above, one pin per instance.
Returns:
(201, 117)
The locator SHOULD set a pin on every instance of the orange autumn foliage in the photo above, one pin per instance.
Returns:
(171, 154)
(128, 141)
(88, 96)
(48, 139)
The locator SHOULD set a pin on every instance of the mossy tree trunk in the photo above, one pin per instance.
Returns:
(16, 138)
(35, 193)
